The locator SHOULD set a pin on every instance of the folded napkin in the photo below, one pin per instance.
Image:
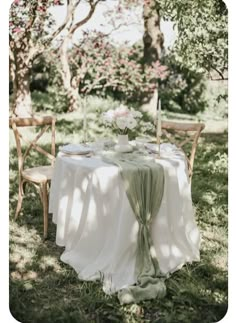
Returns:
(144, 184)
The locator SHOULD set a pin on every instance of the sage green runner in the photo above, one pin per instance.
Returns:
(144, 184)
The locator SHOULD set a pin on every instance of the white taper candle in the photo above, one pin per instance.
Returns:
(159, 119)
(156, 116)
(85, 122)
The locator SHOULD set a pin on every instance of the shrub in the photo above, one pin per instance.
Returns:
(183, 90)
(53, 100)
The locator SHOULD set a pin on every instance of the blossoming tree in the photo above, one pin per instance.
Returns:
(32, 31)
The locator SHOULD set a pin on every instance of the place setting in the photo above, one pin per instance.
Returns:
(122, 120)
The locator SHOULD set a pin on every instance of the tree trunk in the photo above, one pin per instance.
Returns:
(153, 41)
(153, 38)
(20, 73)
(71, 87)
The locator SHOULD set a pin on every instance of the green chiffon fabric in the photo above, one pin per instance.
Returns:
(144, 184)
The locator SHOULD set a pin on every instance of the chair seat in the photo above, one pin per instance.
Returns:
(38, 174)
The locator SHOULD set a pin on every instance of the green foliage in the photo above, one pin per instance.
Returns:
(48, 93)
(183, 90)
(41, 74)
(216, 94)
(202, 25)
(53, 100)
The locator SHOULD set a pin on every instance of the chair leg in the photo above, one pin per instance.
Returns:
(20, 199)
(44, 192)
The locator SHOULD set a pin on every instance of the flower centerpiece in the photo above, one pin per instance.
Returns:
(122, 119)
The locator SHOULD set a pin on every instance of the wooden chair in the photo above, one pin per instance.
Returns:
(39, 176)
(181, 134)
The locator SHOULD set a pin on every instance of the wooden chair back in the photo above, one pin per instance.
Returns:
(182, 135)
(42, 124)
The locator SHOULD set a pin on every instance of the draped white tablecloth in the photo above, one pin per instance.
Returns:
(98, 228)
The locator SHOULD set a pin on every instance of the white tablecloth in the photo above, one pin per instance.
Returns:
(98, 228)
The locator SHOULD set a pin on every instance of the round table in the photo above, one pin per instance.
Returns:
(95, 222)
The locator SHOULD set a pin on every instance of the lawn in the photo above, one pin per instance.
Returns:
(43, 289)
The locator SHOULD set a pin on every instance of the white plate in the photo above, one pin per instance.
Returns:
(74, 149)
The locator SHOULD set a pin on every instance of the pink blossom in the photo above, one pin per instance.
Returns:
(119, 114)
(122, 111)
(122, 61)
(16, 1)
(42, 9)
(16, 30)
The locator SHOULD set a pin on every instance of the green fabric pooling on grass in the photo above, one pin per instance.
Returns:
(144, 185)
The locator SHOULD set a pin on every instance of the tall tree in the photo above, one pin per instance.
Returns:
(71, 82)
(153, 41)
(202, 25)
(30, 34)
(153, 38)
(29, 22)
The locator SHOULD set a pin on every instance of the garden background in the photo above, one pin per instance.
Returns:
(68, 73)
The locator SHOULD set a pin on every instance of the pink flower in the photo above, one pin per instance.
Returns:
(119, 114)
(16, 30)
(42, 9)
(122, 61)
(16, 1)
(122, 111)
(160, 71)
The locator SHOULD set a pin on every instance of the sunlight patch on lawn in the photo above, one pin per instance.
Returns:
(47, 262)
(30, 275)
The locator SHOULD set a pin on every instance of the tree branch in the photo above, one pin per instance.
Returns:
(96, 85)
(219, 72)
(29, 25)
(69, 13)
(89, 15)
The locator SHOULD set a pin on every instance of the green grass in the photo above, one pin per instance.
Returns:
(43, 289)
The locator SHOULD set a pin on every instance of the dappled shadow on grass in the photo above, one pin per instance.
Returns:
(210, 179)
(43, 289)
(194, 294)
